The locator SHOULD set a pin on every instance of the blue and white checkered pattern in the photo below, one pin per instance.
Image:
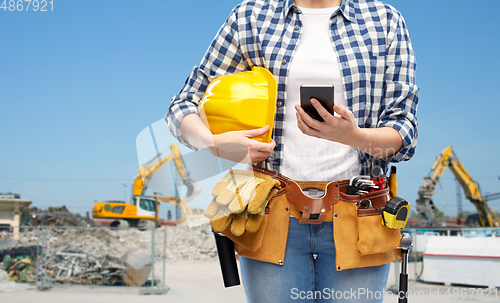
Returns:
(374, 52)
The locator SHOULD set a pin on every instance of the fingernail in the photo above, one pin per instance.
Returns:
(313, 101)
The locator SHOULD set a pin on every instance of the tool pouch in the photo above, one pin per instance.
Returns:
(360, 238)
(373, 237)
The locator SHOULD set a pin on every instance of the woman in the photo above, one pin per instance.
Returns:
(362, 47)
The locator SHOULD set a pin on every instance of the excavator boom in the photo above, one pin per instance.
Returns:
(425, 206)
(144, 207)
(147, 171)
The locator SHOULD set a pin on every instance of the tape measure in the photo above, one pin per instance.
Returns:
(396, 212)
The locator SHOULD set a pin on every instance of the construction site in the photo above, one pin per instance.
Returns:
(112, 189)
(123, 248)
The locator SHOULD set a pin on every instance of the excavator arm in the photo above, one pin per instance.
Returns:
(147, 171)
(186, 209)
(440, 165)
(425, 206)
(130, 212)
(472, 192)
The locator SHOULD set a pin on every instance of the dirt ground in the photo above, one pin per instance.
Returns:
(201, 281)
(189, 281)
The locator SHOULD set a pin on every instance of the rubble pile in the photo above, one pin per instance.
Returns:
(57, 216)
(71, 265)
(197, 243)
(94, 255)
(182, 243)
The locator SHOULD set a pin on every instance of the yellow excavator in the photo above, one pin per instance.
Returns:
(425, 206)
(144, 211)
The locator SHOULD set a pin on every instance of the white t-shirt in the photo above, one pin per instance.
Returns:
(315, 62)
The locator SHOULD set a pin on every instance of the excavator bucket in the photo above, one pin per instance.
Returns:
(193, 189)
(192, 217)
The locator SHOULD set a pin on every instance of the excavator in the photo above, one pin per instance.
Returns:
(144, 211)
(425, 206)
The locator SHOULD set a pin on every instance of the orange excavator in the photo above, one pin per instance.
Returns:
(143, 211)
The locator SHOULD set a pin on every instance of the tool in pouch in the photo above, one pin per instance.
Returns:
(314, 199)
(406, 244)
(396, 211)
(394, 216)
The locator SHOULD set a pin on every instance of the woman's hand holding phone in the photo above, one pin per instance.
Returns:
(342, 128)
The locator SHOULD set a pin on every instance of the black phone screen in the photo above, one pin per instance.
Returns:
(323, 93)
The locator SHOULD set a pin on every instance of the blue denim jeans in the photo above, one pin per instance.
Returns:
(308, 273)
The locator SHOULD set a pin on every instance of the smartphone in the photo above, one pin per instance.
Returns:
(322, 93)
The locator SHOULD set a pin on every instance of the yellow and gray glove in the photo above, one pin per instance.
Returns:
(240, 199)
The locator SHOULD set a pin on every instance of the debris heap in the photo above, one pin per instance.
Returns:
(182, 243)
(95, 255)
(66, 248)
(57, 216)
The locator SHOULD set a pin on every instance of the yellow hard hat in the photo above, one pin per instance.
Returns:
(240, 101)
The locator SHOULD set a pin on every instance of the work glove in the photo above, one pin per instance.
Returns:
(239, 199)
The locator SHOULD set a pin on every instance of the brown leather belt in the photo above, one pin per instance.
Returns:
(312, 210)
(316, 210)
(283, 180)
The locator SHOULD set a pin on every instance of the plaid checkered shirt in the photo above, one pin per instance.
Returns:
(374, 52)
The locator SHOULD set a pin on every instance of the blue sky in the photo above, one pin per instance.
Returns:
(78, 84)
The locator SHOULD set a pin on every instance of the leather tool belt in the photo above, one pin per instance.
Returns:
(314, 209)
(361, 240)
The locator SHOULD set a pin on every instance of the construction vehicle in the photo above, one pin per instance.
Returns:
(425, 206)
(187, 211)
(144, 211)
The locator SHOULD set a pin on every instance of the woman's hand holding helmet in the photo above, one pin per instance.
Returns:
(238, 146)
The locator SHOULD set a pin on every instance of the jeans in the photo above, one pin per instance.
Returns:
(308, 273)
